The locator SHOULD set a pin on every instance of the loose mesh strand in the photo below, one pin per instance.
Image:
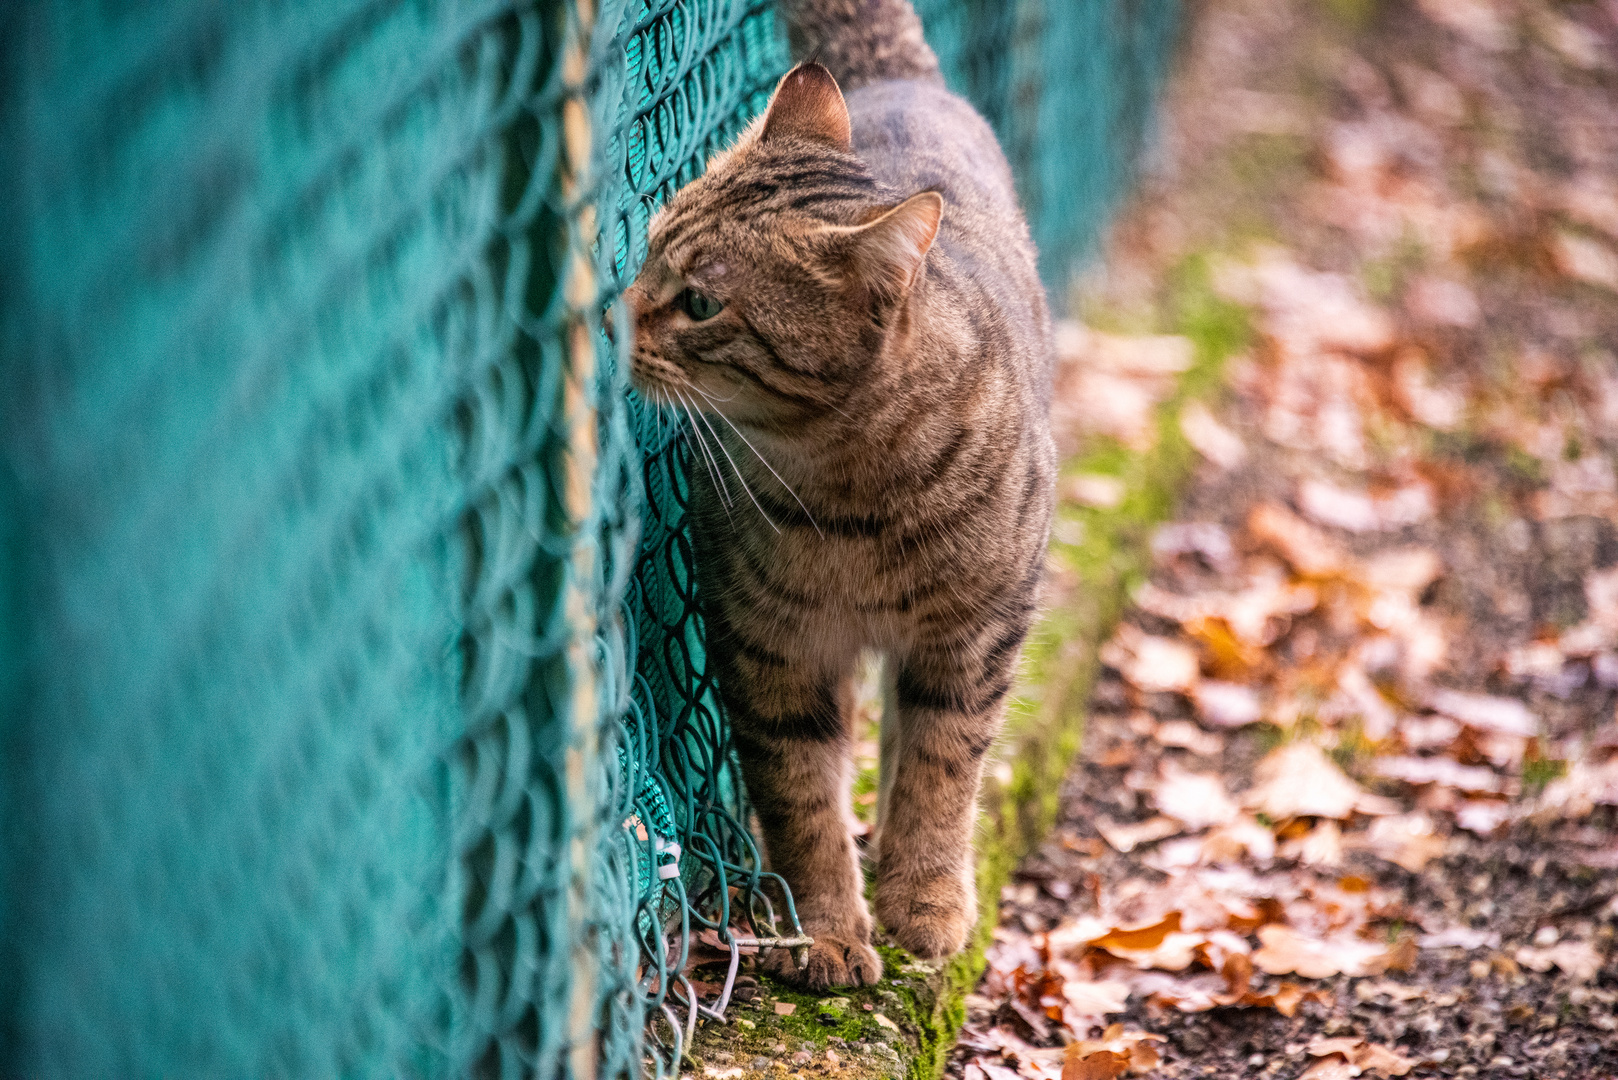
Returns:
(357, 712)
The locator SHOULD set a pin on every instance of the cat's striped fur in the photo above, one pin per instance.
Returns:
(878, 466)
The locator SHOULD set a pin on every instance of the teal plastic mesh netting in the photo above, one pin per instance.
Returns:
(356, 714)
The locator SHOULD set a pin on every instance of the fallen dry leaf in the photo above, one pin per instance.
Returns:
(1288, 998)
(1226, 704)
(1357, 511)
(1096, 998)
(1310, 551)
(1439, 770)
(1321, 846)
(1127, 838)
(1479, 21)
(1160, 945)
(1387, 988)
(1361, 1056)
(1442, 302)
(1285, 951)
(1585, 259)
(1094, 489)
(1345, 1045)
(1592, 200)
(1309, 311)
(1408, 570)
(1427, 400)
(1100, 1065)
(1482, 816)
(1376, 1058)
(1577, 794)
(1110, 384)
(1335, 1067)
(1132, 1051)
(1244, 836)
(1299, 780)
(1256, 615)
(1461, 937)
(1486, 712)
(1202, 538)
(1185, 735)
(1409, 841)
(1198, 800)
(1208, 437)
(1151, 663)
(1578, 959)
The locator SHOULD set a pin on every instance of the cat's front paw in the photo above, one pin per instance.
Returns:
(932, 920)
(833, 961)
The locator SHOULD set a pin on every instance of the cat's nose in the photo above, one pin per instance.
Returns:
(624, 309)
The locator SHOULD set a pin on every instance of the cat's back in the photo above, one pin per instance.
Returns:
(915, 135)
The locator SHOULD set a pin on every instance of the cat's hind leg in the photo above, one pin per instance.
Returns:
(949, 714)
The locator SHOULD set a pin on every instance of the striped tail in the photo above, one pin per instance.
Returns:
(862, 41)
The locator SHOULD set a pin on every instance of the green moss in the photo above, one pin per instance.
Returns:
(1354, 14)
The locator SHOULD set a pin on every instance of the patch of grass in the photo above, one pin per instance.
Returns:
(1354, 14)
(1353, 749)
(1539, 771)
(1523, 468)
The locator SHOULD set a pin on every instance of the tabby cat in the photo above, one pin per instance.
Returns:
(845, 307)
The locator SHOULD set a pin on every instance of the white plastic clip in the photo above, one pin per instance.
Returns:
(670, 870)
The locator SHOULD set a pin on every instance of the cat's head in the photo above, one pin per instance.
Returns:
(774, 282)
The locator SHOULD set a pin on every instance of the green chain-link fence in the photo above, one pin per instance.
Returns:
(356, 714)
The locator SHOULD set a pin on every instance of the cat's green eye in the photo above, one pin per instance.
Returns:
(698, 305)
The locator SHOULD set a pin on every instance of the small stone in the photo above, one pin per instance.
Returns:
(746, 1024)
(785, 1008)
(801, 1058)
(1546, 936)
(832, 1010)
(831, 1056)
(779, 1048)
(1479, 969)
(759, 1064)
(883, 1021)
(867, 1006)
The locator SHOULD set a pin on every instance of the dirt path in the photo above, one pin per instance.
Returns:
(1347, 803)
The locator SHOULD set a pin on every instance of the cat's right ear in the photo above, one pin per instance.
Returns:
(809, 105)
(889, 251)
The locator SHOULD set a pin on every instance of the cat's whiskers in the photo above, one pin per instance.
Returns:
(709, 462)
(740, 479)
(762, 460)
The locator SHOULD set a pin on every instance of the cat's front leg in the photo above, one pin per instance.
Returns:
(792, 734)
(950, 702)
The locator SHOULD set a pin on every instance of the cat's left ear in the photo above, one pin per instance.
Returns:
(889, 251)
(809, 105)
